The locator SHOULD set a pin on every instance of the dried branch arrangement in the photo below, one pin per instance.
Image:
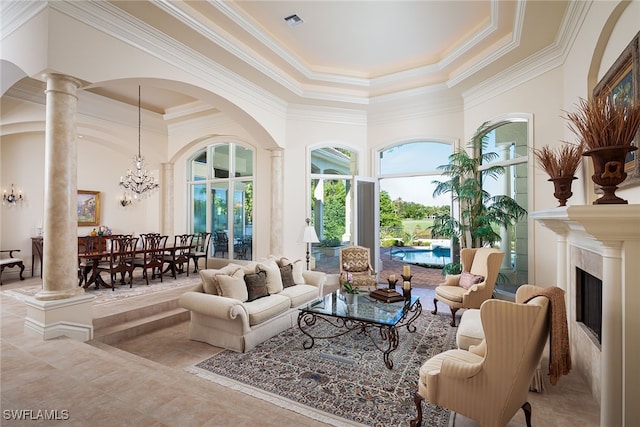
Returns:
(600, 122)
(561, 162)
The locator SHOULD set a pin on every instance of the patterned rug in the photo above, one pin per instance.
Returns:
(106, 295)
(340, 381)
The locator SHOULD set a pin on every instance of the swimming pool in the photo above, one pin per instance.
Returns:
(437, 256)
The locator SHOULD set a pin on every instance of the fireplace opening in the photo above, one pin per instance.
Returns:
(589, 302)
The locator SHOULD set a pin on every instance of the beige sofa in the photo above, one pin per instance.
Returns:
(223, 316)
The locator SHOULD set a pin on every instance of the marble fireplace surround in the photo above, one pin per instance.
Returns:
(603, 240)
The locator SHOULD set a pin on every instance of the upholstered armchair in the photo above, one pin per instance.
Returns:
(489, 382)
(355, 260)
(480, 268)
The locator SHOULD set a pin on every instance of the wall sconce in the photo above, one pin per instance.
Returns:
(125, 200)
(11, 199)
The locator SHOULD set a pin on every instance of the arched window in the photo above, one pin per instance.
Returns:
(220, 185)
(509, 141)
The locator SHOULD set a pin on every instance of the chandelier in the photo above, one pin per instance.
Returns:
(139, 182)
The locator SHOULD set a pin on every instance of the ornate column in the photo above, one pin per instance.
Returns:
(277, 202)
(61, 308)
(167, 199)
(60, 254)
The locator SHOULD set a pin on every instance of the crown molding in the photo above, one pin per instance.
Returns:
(496, 54)
(327, 115)
(14, 14)
(109, 19)
(537, 64)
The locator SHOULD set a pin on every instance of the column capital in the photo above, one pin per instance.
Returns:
(61, 83)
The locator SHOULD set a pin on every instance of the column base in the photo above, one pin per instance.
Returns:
(71, 317)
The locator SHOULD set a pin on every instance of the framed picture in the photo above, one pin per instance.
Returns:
(622, 84)
(88, 208)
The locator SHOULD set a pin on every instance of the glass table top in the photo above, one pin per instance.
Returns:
(363, 308)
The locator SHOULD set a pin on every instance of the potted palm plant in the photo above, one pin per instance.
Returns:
(561, 165)
(606, 128)
(480, 214)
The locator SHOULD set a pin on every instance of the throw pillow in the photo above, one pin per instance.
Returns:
(286, 272)
(467, 280)
(298, 268)
(209, 281)
(256, 285)
(232, 287)
(274, 280)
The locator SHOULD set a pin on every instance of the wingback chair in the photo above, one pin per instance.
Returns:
(480, 268)
(355, 260)
(489, 382)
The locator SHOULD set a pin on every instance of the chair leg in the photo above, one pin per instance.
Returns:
(435, 306)
(417, 399)
(453, 316)
(526, 407)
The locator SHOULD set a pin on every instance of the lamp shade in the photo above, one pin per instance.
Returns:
(309, 235)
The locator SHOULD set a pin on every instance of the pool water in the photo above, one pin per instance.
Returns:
(422, 256)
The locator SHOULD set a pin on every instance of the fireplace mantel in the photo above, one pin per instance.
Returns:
(613, 233)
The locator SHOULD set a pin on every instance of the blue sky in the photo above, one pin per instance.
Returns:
(414, 158)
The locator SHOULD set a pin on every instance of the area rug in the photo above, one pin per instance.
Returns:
(340, 381)
(121, 292)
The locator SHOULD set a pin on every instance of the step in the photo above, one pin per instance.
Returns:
(140, 325)
(126, 314)
(124, 319)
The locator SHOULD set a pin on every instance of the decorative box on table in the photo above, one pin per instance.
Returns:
(386, 295)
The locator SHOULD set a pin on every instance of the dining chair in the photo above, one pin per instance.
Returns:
(86, 245)
(152, 256)
(221, 243)
(120, 260)
(179, 254)
(201, 243)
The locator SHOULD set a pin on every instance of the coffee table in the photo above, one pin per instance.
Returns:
(365, 315)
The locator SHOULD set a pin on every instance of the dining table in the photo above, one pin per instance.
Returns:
(94, 258)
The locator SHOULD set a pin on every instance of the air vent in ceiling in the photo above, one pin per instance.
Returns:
(293, 20)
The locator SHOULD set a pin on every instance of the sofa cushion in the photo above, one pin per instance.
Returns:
(286, 273)
(300, 294)
(265, 308)
(274, 280)
(467, 280)
(451, 293)
(256, 285)
(209, 281)
(232, 287)
(470, 330)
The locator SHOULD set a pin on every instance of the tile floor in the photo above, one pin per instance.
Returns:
(141, 382)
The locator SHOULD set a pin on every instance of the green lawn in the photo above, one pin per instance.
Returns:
(410, 225)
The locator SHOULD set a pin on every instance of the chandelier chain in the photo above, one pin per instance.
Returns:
(139, 182)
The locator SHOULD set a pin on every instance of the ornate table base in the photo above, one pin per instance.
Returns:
(387, 333)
